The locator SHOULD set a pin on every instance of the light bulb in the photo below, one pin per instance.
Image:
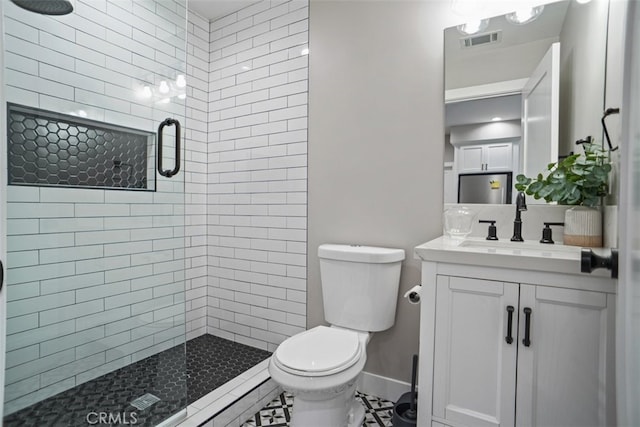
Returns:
(164, 87)
(144, 92)
(524, 16)
(473, 27)
(181, 81)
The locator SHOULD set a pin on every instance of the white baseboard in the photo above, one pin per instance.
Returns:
(377, 385)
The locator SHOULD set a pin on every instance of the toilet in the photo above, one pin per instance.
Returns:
(320, 366)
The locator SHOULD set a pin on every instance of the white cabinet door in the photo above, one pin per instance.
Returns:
(474, 366)
(498, 157)
(471, 159)
(566, 373)
(485, 158)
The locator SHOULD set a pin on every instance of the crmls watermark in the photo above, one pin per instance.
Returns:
(112, 418)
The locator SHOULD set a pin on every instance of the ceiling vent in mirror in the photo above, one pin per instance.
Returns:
(481, 39)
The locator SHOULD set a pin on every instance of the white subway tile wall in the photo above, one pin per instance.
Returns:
(96, 278)
(257, 173)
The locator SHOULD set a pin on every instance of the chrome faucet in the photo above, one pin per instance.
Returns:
(521, 205)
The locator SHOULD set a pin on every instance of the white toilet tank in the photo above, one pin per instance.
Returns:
(360, 285)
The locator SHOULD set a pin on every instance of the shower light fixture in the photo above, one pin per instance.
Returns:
(524, 16)
(164, 87)
(181, 81)
(473, 26)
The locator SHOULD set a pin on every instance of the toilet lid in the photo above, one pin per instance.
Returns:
(319, 349)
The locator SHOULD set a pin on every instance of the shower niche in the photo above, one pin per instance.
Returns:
(46, 148)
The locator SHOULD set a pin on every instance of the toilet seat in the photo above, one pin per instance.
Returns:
(319, 351)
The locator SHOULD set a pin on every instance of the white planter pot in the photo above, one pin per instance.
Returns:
(583, 227)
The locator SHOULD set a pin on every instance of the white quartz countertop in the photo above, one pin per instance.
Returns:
(528, 255)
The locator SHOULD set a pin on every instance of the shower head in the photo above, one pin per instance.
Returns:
(46, 7)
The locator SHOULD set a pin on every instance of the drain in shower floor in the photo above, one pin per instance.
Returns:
(144, 401)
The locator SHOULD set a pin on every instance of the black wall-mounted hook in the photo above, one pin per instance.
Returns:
(608, 112)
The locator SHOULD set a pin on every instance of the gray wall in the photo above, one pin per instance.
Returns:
(376, 131)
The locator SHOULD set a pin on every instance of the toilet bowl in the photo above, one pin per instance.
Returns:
(320, 366)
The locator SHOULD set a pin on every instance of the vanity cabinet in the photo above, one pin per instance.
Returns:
(496, 157)
(535, 351)
(501, 346)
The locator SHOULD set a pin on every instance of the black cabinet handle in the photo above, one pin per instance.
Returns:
(174, 171)
(527, 327)
(509, 338)
(1, 275)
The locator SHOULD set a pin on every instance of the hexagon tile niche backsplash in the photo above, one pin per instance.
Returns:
(52, 149)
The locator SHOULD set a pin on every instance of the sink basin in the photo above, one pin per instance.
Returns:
(522, 248)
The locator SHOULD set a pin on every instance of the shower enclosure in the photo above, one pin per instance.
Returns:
(128, 247)
(95, 278)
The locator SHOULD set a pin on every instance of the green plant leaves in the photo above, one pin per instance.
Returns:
(579, 179)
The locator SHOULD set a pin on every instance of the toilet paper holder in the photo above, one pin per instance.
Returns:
(413, 294)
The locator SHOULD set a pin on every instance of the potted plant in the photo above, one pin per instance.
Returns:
(579, 180)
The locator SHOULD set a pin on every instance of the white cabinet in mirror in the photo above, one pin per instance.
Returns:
(537, 87)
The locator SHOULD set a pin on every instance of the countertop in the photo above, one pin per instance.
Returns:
(528, 255)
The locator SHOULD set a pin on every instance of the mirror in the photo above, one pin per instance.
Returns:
(518, 95)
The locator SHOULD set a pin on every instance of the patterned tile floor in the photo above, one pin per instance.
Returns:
(378, 412)
(211, 362)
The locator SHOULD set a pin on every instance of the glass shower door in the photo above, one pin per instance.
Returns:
(95, 246)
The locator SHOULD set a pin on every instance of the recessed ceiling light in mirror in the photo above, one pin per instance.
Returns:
(524, 16)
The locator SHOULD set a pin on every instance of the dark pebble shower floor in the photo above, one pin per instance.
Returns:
(211, 361)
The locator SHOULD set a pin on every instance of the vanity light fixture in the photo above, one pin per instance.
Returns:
(524, 16)
(473, 27)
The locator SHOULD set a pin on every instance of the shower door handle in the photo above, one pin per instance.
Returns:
(169, 173)
(1, 275)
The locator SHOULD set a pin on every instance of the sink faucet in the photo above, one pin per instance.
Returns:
(521, 205)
